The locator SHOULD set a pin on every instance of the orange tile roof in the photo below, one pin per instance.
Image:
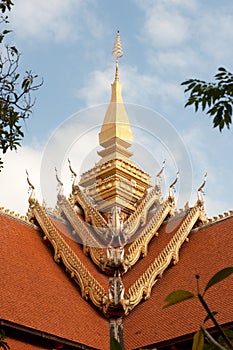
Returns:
(154, 248)
(208, 251)
(73, 240)
(36, 293)
(21, 345)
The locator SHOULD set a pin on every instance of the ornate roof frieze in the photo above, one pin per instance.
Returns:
(90, 287)
(141, 288)
(139, 247)
(90, 243)
(92, 215)
(139, 217)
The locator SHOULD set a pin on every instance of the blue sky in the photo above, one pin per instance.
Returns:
(69, 44)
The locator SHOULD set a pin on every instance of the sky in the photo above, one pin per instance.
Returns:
(69, 44)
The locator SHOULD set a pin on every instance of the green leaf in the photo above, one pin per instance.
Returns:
(187, 82)
(208, 316)
(177, 297)
(203, 104)
(14, 49)
(196, 106)
(5, 31)
(198, 340)
(218, 277)
(191, 85)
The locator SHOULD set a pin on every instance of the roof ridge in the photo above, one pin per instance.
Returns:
(24, 219)
(215, 219)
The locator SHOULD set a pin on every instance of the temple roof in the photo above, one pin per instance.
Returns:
(36, 293)
(206, 253)
(53, 304)
(101, 263)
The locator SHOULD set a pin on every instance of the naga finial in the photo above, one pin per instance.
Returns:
(171, 187)
(200, 189)
(161, 170)
(158, 180)
(117, 52)
(74, 175)
(60, 184)
(31, 189)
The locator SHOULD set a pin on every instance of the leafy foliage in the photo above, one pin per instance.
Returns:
(218, 277)
(15, 91)
(4, 6)
(177, 297)
(215, 97)
(198, 340)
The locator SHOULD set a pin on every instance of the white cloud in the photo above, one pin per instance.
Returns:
(138, 88)
(182, 62)
(66, 142)
(217, 196)
(191, 37)
(58, 20)
(216, 35)
(166, 22)
(13, 183)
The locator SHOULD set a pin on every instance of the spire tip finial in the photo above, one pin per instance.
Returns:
(117, 52)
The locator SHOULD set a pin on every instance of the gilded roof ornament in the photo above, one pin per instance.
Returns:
(161, 170)
(117, 52)
(74, 175)
(172, 186)
(200, 190)
(116, 135)
(31, 189)
(60, 184)
(158, 180)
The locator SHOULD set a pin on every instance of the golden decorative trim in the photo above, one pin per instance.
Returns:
(215, 219)
(90, 287)
(142, 287)
(14, 215)
(140, 245)
(90, 244)
(140, 214)
(221, 216)
(128, 166)
(92, 215)
(115, 182)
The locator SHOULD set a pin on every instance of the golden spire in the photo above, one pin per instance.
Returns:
(116, 135)
(115, 183)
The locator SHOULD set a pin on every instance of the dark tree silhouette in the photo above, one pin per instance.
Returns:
(15, 90)
(216, 98)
